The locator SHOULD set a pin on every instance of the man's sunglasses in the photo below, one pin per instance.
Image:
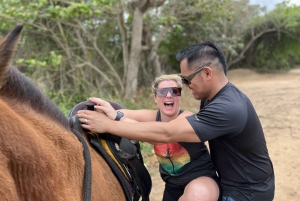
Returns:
(187, 79)
(175, 91)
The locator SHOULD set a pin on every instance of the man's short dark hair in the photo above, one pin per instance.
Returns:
(206, 50)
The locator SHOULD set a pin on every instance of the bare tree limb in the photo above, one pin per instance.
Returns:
(248, 45)
(123, 32)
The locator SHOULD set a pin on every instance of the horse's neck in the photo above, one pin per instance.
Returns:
(40, 154)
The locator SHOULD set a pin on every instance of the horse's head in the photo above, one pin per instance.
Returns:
(7, 49)
(16, 89)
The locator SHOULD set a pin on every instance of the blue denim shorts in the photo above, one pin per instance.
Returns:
(227, 198)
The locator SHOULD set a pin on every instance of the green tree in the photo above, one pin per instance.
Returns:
(96, 44)
(109, 48)
(72, 43)
(274, 40)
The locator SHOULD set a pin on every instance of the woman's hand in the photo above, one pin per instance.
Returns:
(104, 107)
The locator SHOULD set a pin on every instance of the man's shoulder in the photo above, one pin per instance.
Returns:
(231, 95)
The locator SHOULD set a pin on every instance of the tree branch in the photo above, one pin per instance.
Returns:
(254, 38)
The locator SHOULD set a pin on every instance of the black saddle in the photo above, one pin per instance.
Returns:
(122, 155)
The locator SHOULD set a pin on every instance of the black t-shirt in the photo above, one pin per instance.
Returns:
(182, 162)
(237, 145)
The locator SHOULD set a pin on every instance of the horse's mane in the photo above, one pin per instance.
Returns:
(18, 89)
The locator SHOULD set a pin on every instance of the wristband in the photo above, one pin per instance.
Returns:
(119, 116)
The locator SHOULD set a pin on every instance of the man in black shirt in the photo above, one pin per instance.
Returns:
(227, 120)
(237, 145)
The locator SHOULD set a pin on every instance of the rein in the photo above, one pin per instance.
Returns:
(88, 167)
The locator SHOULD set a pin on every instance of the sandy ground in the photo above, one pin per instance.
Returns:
(276, 98)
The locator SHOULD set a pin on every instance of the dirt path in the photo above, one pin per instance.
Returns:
(276, 98)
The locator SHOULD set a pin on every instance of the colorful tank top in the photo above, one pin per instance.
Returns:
(181, 162)
(171, 156)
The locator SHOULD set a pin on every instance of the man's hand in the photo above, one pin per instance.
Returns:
(94, 121)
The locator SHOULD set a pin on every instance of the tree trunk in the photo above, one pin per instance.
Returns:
(134, 59)
(140, 7)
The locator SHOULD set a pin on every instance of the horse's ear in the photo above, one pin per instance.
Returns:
(7, 49)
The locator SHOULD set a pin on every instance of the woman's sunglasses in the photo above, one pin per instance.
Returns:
(175, 91)
(187, 79)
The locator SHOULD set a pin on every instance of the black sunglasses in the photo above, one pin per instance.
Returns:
(175, 91)
(187, 79)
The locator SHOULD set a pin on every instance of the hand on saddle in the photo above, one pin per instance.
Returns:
(95, 121)
(105, 107)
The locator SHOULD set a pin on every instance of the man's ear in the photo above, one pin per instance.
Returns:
(207, 71)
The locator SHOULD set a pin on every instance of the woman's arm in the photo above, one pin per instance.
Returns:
(140, 115)
(129, 115)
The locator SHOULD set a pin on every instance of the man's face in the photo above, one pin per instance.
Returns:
(197, 85)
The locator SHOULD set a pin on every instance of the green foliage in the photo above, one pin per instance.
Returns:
(52, 61)
(146, 149)
(66, 103)
(278, 50)
(143, 100)
(200, 21)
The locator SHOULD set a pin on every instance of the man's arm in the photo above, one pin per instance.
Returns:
(178, 130)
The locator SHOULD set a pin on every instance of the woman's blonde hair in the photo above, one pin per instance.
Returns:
(161, 78)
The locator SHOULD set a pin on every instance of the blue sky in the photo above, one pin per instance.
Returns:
(270, 4)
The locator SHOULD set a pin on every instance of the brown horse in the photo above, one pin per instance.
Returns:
(40, 158)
